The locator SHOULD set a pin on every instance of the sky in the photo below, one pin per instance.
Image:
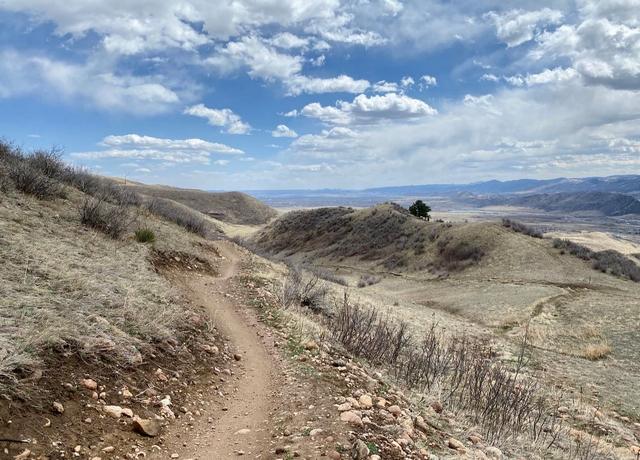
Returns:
(281, 94)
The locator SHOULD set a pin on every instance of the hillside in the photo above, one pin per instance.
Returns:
(385, 235)
(604, 203)
(230, 207)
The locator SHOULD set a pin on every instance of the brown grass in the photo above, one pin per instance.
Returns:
(596, 351)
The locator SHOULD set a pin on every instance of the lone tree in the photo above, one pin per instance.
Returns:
(420, 210)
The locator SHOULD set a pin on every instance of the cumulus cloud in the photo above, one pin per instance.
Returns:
(300, 84)
(133, 27)
(32, 74)
(287, 40)
(135, 146)
(283, 131)
(385, 87)
(226, 118)
(370, 109)
(516, 27)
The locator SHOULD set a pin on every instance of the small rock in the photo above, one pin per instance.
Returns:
(334, 455)
(24, 455)
(437, 407)
(89, 384)
(147, 427)
(395, 410)
(360, 450)
(366, 402)
(175, 455)
(108, 449)
(344, 407)
(315, 432)
(127, 412)
(160, 375)
(311, 345)
(453, 443)
(351, 418)
(237, 356)
(126, 393)
(493, 452)
(113, 411)
(57, 407)
(243, 431)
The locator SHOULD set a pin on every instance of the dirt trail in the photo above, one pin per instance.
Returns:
(243, 422)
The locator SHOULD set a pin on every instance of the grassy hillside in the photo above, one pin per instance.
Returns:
(230, 207)
(385, 235)
(81, 262)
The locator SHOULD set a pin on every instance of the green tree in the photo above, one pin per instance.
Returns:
(420, 209)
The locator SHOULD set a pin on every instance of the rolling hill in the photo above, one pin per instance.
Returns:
(229, 207)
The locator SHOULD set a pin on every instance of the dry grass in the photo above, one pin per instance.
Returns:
(184, 216)
(67, 289)
(230, 207)
(596, 351)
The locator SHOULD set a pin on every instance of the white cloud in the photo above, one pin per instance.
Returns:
(283, 131)
(132, 27)
(385, 87)
(287, 40)
(225, 118)
(300, 84)
(516, 27)
(28, 74)
(407, 82)
(364, 109)
(135, 146)
(428, 80)
(261, 60)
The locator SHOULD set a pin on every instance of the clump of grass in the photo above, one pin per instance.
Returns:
(112, 220)
(519, 227)
(458, 254)
(368, 280)
(596, 351)
(145, 235)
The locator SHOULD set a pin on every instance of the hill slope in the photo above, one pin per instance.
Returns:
(230, 207)
(385, 235)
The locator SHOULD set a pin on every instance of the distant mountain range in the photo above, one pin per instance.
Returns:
(605, 203)
(627, 185)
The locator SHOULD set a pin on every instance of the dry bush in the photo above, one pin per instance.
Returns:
(112, 220)
(47, 162)
(327, 275)
(32, 182)
(303, 291)
(187, 218)
(608, 261)
(461, 370)
(457, 254)
(368, 280)
(367, 333)
(519, 227)
(596, 351)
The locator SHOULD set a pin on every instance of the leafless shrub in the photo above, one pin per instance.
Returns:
(112, 220)
(47, 162)
(304, 291)
(608, 261)
(457, 254)
(191, 220)
(368, 280)
(462, 370)
(327, 275)
(32, 182)
(366, 332)
(519, 227)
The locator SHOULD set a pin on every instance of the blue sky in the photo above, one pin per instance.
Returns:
(251, 94)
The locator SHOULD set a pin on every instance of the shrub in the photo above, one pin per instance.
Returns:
(327, 275)
(368, 280)
(521, 228)
(48, 162)
(32, 182)
(112, 220)
(608, 261)
(309, 292)
(191, 220)
(456, 255)
(145, 235)
(596, 351)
